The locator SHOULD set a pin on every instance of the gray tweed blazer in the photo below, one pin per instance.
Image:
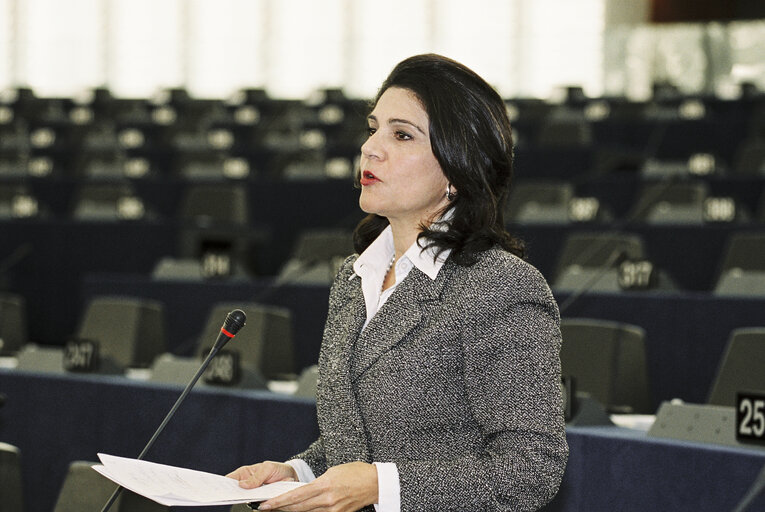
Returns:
(455, 380)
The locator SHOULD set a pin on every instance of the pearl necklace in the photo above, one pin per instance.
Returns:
(387, 270)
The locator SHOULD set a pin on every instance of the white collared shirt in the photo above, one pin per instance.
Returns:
(374, 262)
(372, 266)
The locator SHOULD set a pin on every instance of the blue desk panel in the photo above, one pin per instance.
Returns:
(57, 419)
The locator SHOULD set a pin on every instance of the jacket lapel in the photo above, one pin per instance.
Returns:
(401, 313)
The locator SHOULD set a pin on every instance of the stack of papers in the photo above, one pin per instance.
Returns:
(173, 486)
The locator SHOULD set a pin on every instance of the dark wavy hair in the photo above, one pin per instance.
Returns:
(472, 140)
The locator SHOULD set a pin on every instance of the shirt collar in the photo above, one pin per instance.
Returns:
(377, 256)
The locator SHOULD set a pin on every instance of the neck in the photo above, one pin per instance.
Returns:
(405, 229)
(404, 235)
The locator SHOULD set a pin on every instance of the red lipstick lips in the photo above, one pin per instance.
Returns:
(367, 178)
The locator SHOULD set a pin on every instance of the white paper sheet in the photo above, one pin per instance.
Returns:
(173, 486)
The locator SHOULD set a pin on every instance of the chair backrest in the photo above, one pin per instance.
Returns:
(745, 252)
(214, 204)
(742, 270)
(11, 488)
(108, 202)
(742, 368)
(320, 245)
(594, 250)
(13, 323)
(539, 202)
(662, 203)
(265, 342)
(130, 331)
(317, 256)
(607, 359)
(86, 489)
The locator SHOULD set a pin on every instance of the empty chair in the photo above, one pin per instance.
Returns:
(262, 350)
(86, 489)
(130, 332)
(590, 260)
(607, 360)
(11, 488)
(741, 368)
(222, 251)
(265, 343)
(108, 202)
(178, 269)
(743, 267)
(539, 202)
(698, 164)
(213, 166)
(13, 323)
(671, 203)
(214, 204)
(317, 256)
(190, 269)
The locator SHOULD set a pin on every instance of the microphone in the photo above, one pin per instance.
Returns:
(754, 490)
(235, 320)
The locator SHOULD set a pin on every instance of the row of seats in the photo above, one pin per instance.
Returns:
(308, 159)
(531, 202)
(117, 334)
(656, 202)
(106, 136)
(605, 358)
(592, 261)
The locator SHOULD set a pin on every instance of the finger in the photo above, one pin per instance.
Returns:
(301, 498)
(238, 473)
(266, 473)
(250, 476)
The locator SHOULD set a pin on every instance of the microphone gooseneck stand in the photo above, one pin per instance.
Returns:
(235, 320)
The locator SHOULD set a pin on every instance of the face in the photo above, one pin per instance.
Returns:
(400, 177)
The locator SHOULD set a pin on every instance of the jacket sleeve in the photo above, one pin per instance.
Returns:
(511, 370)
(314, 457)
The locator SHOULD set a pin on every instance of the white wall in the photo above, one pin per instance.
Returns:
(292, 47)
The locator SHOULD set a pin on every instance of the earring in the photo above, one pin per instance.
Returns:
(449, 193)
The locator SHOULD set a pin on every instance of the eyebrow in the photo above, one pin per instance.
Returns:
(372, 117)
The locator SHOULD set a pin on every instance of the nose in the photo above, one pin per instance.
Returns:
(372, 147)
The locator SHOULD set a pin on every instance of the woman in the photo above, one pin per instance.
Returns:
(439, 382)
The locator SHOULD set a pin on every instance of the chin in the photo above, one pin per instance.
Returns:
(366, 205)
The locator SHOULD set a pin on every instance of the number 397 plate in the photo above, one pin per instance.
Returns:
(750, 417)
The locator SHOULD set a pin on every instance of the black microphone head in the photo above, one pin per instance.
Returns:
(235, 320)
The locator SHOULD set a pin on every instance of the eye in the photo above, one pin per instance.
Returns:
(371, 131)
(403, 135)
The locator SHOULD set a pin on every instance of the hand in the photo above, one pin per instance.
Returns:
(264, 473)
(342, 488)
